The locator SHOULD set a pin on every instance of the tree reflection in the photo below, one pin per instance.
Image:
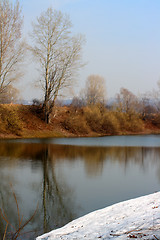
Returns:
(56, 207)
(57, 199)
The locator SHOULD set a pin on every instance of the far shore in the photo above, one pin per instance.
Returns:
(59, 135)
(63, 134)
(26, 121)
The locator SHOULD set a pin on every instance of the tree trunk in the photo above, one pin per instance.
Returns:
(46, 112)
(47, 118)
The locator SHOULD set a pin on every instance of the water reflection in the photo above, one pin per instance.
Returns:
(54, 198)
(69, 181)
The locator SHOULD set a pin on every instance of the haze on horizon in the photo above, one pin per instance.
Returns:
(122, 42)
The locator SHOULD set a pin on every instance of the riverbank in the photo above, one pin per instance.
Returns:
(137, 218)
(21, 121)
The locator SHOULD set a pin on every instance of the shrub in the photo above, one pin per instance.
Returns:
(155, 119)
(123, 119)
(129, 122)
(2, 127)
(10, 120)
(93, 117)
(136, 124)
(76, 124)
(110, 123)
(37, 110)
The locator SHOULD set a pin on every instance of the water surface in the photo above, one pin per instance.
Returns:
(68, 178)
(128, 141)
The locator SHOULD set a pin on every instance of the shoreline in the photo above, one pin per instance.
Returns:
(50, 134)
(135, 218)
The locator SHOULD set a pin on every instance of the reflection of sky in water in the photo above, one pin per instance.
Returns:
(112, 141)
(70, 181)
(115, 183)
(132, 141)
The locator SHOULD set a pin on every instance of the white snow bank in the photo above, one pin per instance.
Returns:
(137, 218)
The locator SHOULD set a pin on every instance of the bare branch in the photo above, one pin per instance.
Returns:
(5, 231)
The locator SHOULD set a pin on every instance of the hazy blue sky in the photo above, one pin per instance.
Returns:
(122, 40)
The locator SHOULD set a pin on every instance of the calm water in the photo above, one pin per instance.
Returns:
(67, 178)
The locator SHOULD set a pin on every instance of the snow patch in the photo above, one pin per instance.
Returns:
(137, 218)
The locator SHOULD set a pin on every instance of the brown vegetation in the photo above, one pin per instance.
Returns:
(27, 122)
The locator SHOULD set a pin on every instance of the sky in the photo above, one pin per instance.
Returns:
(122, 42)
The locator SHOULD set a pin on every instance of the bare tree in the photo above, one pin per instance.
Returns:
(95, 89)
(9, 95)
(127, 102)
(78, 102)
(155, 97)
(58, 52)
(11, 46)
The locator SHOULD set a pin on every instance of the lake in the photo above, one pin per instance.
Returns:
(62, 179)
